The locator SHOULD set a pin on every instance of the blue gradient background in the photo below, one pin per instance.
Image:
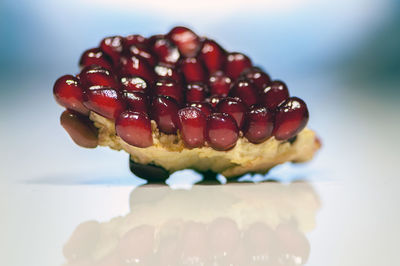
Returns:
(341, 57)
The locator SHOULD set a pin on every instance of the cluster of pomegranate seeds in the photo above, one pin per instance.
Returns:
(184, 83)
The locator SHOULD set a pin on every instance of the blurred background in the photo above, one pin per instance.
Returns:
(342, 57)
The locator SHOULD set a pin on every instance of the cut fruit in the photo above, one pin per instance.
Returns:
(232, 118)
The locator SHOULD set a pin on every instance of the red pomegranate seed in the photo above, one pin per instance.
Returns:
(204, 107)
(196, 92)
(80, 128)
(192, 124)
(193, 69)
(168, 87)
(221, 131)
(186, 40)
(143, 52)
(167, 71)
(291, 117)
(259, 78)
(244, 89)
(105, 101)
(136, 66)
(165, 113)
(113, 47)
(212, 55)
(97, 76)
(274, 94)
(136, 101)
(166, 51)
(95, 56)
(68, 93)
(259, 124)
(134, 84)
(235, 64)
(134, 40)
(214, 100)
(220, 84)
(234, 108)
(134, 128)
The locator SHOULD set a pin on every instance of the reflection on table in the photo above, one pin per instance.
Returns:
(233, 224)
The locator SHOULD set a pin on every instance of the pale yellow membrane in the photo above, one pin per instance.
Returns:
(169, 151)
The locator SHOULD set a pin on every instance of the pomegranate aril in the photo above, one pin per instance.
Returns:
(166, 51)
(245, 90)
(212, 55)
(221, 131)
(68, 93)
(186, 40)
(134, 128)
(165, 113)
(134, 84)
(214, 100)
(259, 124)
(167, 71)
(136, 66)
(95, 75)
(196, 92)
(168, 87)
(113, 47)
(291, 117)
(105, 101)
(204, 107)
(193, 69)
(220, 84)
(95, 56)
(259, 78)
(192, 124)
(235, 64)
(80, 128)
(274, 94)
(134, 40)
(136, 101)
(143, 52)
(234, 108)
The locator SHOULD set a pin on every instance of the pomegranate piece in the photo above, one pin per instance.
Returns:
(245, 90)
(204, 107)
(143, 52)
(134, 39)
(186, 40)
(235, 64)
(193, 70)
(221, 131)
(165, 113)
(291, 117)
(105, 101)
(136, 101)
(220, 84)
(134, 84)
(259, 78)
(167, 71)
(95, 56)
(196, 92)
(136, 66)
(259, 124)
(97, 76)
(274, 94)
(212, 56)
(113, 47)
(134, 128)
(80, 128)
(192, 124)
(234, 108)
(68, 93)
(168, 87)
(166, 51)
